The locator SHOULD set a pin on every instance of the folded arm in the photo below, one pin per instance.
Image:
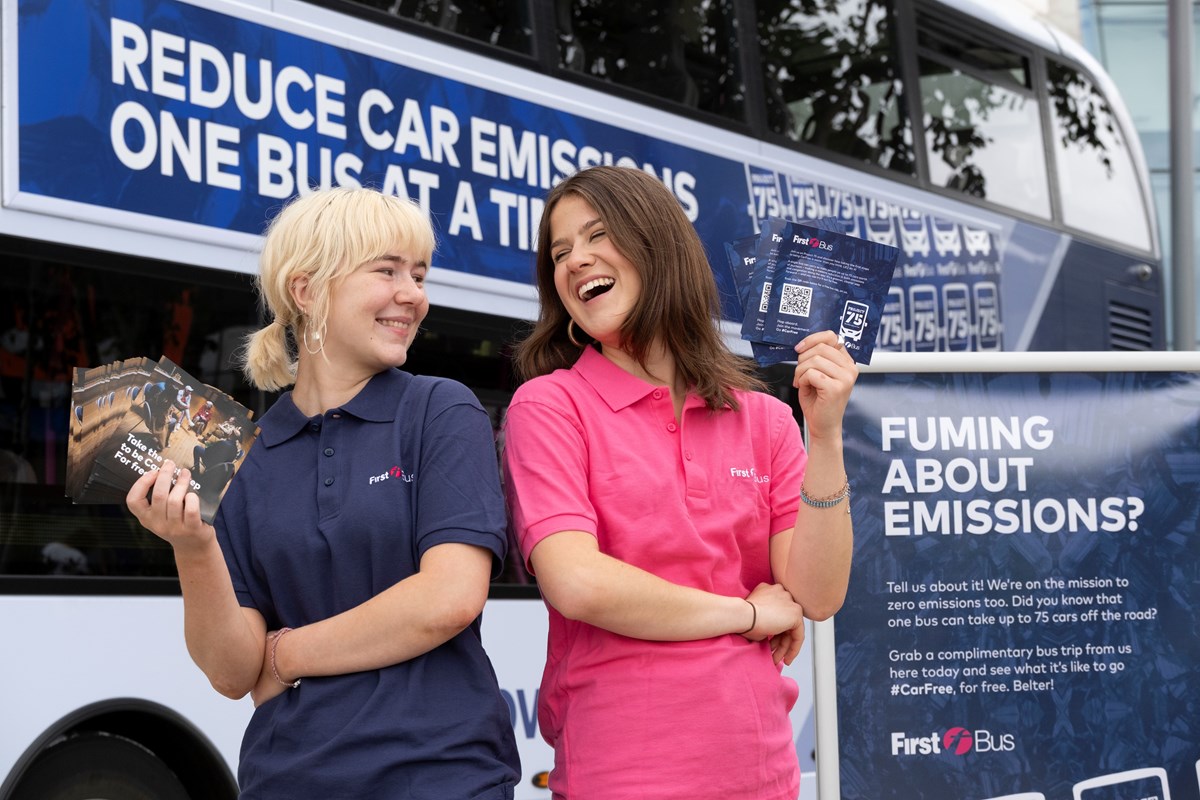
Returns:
(583, 584)
(414, 616)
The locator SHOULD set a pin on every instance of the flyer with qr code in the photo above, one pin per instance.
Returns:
(749, 271)
(808, 277)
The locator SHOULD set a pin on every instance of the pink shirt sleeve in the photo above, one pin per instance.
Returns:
(545, 474)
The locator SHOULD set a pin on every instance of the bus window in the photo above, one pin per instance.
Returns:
(685, 51)
(1096, 176)
(503, 23)
(58, 316)
(982, 125)
(831, 78)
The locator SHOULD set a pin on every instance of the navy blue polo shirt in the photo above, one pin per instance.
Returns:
(329, 511)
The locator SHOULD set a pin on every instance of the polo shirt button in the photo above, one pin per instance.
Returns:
(329, 481)
(671, 427)
(328, 451)
(657, 395)
(316, 426)
(688, 455)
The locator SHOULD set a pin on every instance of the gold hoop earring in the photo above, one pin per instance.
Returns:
(571, 334)
(317, 335)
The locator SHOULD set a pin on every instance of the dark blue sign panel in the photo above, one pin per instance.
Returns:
(213, 117)
(1022, 617)
(180, 112)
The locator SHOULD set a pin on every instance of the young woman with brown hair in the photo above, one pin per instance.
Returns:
(678, 529)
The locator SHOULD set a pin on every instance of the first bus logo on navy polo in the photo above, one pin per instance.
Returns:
(394, 472)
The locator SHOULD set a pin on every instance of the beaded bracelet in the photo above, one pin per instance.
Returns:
(275, 672)
(830, 501)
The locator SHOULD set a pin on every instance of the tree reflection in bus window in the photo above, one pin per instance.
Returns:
(831, 78)
(1097, 181)
(683, 51)
(503, 23)
(984, 139)
(982, 123)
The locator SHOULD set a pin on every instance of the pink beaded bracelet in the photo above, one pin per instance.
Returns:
(274, 645)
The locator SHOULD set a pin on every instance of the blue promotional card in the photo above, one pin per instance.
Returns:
(797, 278)
(743, 259)
(757, 293)
(742, 256)
(824, 280)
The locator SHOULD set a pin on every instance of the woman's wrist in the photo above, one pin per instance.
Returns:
(753, 618)
(193, 553)
(827, 501)
(273, 644)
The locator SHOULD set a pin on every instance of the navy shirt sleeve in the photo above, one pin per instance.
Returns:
(231, 536)
(458, 488)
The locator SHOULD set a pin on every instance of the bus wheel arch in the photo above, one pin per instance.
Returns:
(144, 740)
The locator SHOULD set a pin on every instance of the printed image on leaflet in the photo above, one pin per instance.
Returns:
(206, 432)
(149, 426)
(101, 399)
(221, 433)
(172, 416)
(217, 432)
(84, 415)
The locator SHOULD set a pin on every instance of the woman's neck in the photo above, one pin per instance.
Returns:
(660, 369)
(320, 388)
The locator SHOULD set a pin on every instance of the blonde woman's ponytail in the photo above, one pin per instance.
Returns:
(267, 359)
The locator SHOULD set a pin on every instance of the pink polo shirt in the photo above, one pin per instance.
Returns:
(598, 450)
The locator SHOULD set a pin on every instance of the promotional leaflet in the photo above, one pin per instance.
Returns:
(742, 255)
(129, 416)
(807, 277)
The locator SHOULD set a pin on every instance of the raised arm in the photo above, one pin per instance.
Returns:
(813, 559)
(225, 640)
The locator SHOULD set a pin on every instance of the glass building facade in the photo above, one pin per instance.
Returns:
(1130, 38)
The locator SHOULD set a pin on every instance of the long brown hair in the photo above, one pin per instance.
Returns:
(679, 303)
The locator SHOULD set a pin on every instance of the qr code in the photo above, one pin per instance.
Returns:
(764, 302)
(795, 300)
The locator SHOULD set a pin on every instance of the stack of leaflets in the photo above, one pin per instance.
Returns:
(797, 278)
(128, 416)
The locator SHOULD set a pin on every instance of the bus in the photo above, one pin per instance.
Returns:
(143, 144)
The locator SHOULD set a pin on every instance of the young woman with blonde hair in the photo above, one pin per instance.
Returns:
(343, 581)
